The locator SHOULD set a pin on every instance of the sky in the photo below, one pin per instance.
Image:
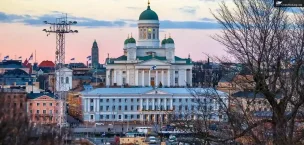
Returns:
(109, 22)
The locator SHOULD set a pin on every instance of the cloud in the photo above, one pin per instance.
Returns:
(189, 9)
(38, 20)
(203, 23)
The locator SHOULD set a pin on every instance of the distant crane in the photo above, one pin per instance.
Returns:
(60, 28)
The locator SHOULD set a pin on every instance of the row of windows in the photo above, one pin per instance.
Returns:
(44, 111)
(156, 107)
(66, 80)
(44, 118)
(148, 34)
(180, 116)
(156, 100)
(44, 104)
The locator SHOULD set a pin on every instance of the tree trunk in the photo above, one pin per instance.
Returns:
(279, 132)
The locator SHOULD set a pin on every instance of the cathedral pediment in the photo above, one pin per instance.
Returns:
(155, 92)
(152, 62)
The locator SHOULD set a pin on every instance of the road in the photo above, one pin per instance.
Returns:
(104, 128)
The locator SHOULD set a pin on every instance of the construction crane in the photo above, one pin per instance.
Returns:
(61, 27)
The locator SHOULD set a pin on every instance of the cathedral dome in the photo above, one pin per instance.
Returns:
(148, 14)
(170, 41)
(164, 41)
(126, 41)
(132, 40)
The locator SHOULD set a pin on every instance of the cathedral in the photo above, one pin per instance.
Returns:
(147, 83)
(147, 61)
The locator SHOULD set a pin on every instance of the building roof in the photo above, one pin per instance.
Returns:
(148, 14)
(148, 57)
(251, 94)
(16, 72)
(11, 64)
(37, 95)
(47, 63)
(143, 90)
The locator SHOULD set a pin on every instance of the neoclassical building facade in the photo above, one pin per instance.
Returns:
(134, 67)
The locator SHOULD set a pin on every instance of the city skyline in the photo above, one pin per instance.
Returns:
(22, 26)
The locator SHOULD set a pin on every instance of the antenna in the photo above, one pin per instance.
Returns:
(61, 27)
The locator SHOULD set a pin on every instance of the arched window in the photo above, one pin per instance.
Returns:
(67, 80)
(145, 34)
(154, 32)
(141, 34)
(149, 33)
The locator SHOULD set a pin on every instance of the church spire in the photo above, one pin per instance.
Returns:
(148, 2)
(131, 35)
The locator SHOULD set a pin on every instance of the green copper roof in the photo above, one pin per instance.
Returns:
(164, 41)
(148, 15)
(170, 41)
(132, 40)
(126, 41)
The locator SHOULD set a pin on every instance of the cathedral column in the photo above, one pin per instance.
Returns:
(147, 103)
(168, 76)
(149, 78)
(162, 77)
(94, 105)
(159, 105)
(115, 79)
(136, 77)
(128, 77)
(143, 78)
(85, 108)
(156, 79)
(120, 77)
(165, 106)
(108, 78)
(174, 84)
(153, 104)
(98, 105)
(185, 82)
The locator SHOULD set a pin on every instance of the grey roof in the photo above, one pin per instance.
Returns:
(251, 94)
(143, 90)
(37, 95)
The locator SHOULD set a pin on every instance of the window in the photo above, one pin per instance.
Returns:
(138, 116)
(113, 116)
(180, 100)
(126, 116)
(176, 80)
(137, 107)
(176, 72)
(131, 100)
(107, 107)
(31, 104)
(161, 100)
(101, 108)
(186, 107)
(62, 81)
(131, 116)
(92, 117)
(107, 100)
(119, 107)
(113, 100)
(37, 111)
(186, 100)
(126, 108)
(67, 80)
(21, 105)
(113, 108)
(51, 111)
(192, 100)
(57, 104)
(180, 108)
(107, 116)
(51, 104)
(119, 100)
(145, 34)
(101, 116)
(38, 104)
(137, 100)
(101, 100)
(31, 111)
(125, 100)
(56, 111)
(119, 116)
(44, 104)
(123, 80)
(131, 108)
(91, 108)
(91, 100)
(153, 35)
(173, 100)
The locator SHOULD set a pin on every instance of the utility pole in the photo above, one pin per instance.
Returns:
(61, 27)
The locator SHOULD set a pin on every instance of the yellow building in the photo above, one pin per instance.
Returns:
(75, 107)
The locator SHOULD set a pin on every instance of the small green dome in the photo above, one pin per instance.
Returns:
(132, 40)
(126, 41)
(164, 41)
(148, 15)
(170, 41)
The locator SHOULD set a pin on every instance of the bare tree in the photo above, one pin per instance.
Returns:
(269, 42)
(17, 129)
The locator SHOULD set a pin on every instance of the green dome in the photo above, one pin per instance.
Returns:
(170, 40)
(148, 15)
(126, 41)
(132, 40)
(164, 41)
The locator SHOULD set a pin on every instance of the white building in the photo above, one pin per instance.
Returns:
(64, 79)
(146, 104)
(142, 102)
(133, 68)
